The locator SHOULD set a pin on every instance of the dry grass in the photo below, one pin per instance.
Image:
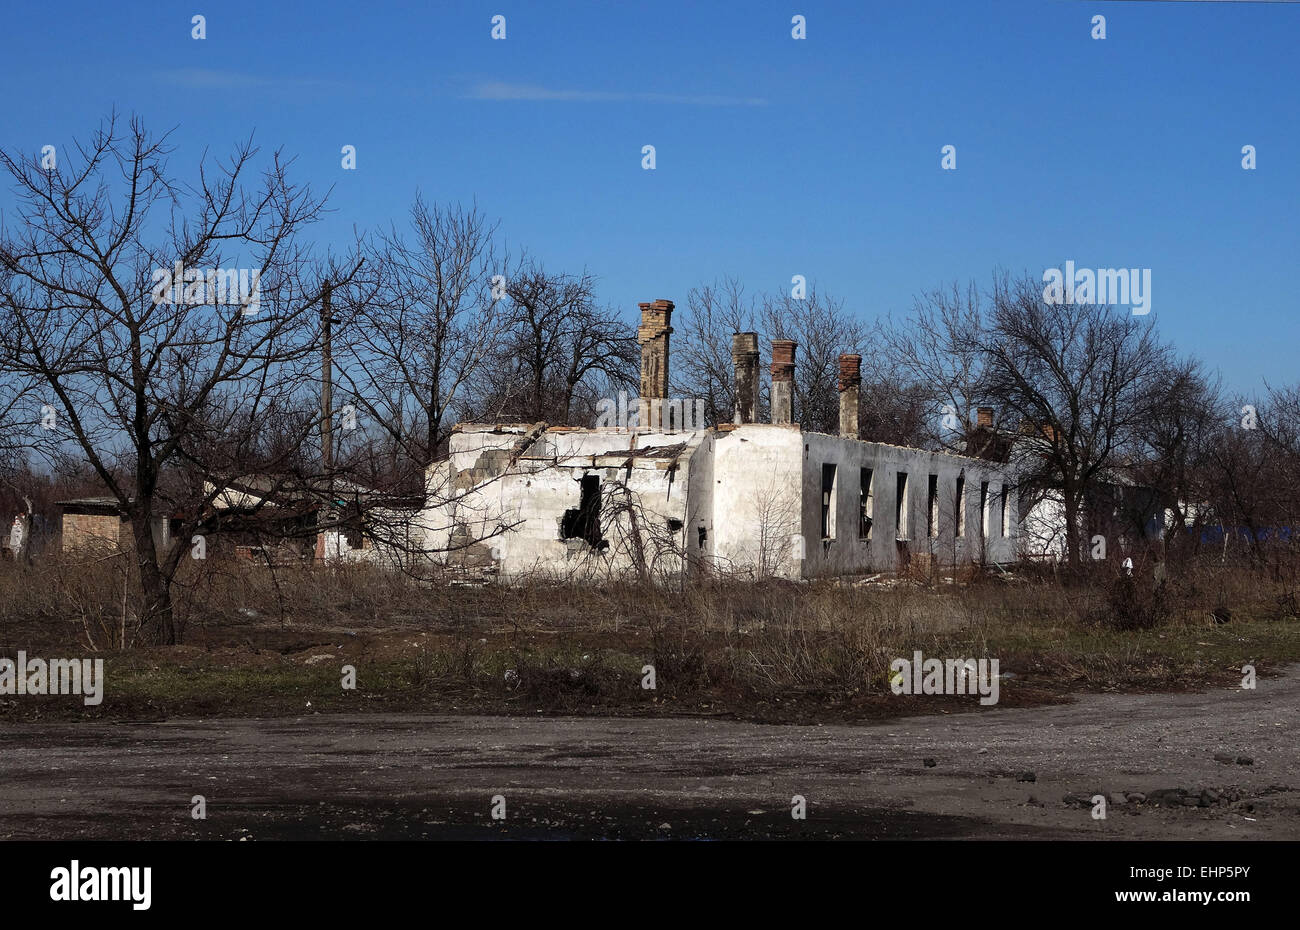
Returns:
(772, 651)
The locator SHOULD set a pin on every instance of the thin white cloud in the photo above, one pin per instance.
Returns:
(500, 90)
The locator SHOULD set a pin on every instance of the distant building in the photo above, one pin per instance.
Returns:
(286, 519)
(99, 522)
(264, 518)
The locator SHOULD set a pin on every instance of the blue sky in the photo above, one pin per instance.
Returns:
(775, 157)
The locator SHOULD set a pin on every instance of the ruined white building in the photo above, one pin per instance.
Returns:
(758, 499)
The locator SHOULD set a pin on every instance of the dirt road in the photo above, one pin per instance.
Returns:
(369, 777)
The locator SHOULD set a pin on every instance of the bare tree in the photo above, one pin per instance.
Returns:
(146, 371)
(15, 475)
(934, 356)
(895, 411)
(419, 323)
(561, 351)
(1186, 415)
(779, 547)
(639, 536)
(702, 365)
(824, 330)
(1248, 472)
(1084, 381)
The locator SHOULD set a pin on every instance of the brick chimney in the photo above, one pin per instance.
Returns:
(984, 417)
(652, 334)
(849, 384)
(783, 381)
(744, 356)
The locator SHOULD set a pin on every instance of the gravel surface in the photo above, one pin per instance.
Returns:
(1218, 765)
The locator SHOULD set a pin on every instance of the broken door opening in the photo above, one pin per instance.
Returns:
(583, 522)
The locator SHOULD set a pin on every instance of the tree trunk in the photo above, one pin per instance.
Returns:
(157, 613)
(432, 437)
(568, 402)
(1070, 499)
(537, 393)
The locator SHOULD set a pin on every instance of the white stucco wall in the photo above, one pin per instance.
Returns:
(747, 498)
(518, 513)
(755, 523)
(848, 553)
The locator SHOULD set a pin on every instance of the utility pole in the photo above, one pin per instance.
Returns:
(326, 415)
(327, 382)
